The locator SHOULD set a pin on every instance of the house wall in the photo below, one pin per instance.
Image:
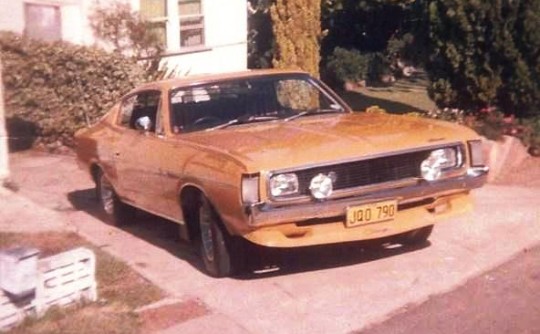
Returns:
(225, 46)
(12, 16)
(226, 41)
(75, 27)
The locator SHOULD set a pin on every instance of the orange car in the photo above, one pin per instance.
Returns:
(277, 158)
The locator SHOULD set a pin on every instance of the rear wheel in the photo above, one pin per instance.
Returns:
(216, 247)
(415, 237)
(118, 212)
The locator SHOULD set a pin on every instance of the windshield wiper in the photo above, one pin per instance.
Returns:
(243, 120)
(312, 112)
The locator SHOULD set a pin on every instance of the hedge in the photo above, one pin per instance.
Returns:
(54, 89)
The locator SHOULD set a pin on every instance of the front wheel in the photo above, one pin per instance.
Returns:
(118, 212)
(215, 244)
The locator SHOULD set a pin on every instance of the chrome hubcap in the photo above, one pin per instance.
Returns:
(206, 234)
(107, 195)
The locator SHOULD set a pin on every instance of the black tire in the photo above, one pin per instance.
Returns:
(118, 212)
(415, 237)
(216, 247)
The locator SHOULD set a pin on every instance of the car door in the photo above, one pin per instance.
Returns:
(140, 152)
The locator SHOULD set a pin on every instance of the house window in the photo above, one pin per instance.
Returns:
(191, 23)
(178, 23)
(155, 11)
(42, 22)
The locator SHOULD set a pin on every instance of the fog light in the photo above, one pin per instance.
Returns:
(321, 186)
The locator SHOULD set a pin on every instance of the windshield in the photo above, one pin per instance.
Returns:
(249, 100)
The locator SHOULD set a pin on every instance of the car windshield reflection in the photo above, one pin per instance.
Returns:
(215, 106)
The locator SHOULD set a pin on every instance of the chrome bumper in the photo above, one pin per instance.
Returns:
(262, 214)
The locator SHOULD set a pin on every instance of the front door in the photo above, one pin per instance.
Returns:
(139, 153)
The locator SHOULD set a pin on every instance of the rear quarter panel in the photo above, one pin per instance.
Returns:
(95, 145)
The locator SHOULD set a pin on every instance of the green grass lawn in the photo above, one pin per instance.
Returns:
(404, 96)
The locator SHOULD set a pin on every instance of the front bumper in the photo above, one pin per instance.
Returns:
(315, 223)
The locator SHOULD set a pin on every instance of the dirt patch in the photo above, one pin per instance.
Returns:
(89, 319)
(49, 243)
(168, 315)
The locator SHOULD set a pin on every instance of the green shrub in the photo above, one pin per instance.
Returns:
(485, 53)
(379, 68)
(127, 32)
(54, 89)
(348, 65)
(493, 124)
(528, 130)
(354, 66)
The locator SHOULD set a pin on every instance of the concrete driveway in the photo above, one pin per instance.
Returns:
(336, 289)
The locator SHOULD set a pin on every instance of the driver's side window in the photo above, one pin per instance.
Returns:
(140, 111)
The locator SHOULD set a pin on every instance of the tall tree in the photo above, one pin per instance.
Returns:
(297, 33)
(485, 53)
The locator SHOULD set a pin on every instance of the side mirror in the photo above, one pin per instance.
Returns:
(143, 124)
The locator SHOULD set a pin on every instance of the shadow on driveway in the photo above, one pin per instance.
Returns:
(263, 262)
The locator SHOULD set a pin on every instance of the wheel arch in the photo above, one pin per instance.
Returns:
(190, 199)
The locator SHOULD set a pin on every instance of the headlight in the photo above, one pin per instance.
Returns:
(322, 186)
(477, 154)
(439, 160)
(250, 189)
(283, 184)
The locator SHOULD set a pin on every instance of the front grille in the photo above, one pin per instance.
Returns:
(367, 172)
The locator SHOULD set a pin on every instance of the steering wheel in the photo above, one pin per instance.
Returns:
(207, 119)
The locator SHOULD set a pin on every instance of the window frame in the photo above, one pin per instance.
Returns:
(190, 27)
(158, 20)
(58, 17)
(181, 32)
(158, 122)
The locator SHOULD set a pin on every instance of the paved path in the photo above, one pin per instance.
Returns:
(335, 289)
(505, 300)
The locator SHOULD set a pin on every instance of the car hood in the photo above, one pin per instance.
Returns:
(324, 138)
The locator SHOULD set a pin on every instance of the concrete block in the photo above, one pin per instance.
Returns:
(61, 280)
(18, 271)
(65, 278)
(10, 314)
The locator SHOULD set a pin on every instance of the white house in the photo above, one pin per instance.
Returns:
(201, 36)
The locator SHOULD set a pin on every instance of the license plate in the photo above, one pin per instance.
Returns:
(371, 213)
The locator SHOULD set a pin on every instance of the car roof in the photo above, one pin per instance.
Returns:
(192, 80)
